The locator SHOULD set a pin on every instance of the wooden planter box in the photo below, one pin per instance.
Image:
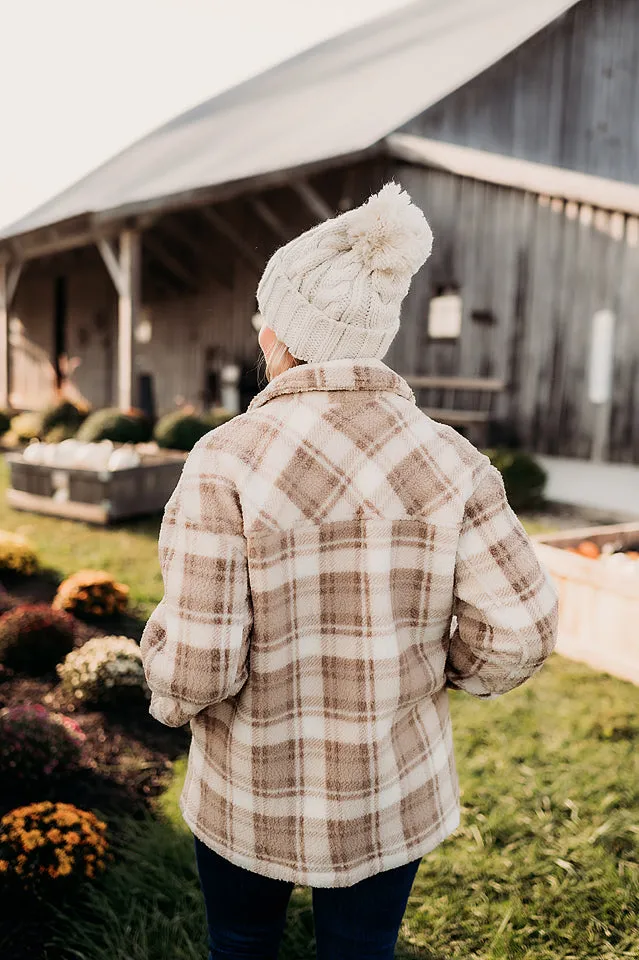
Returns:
(598, 606)
(95, 496)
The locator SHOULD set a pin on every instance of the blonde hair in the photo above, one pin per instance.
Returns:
(279, 360)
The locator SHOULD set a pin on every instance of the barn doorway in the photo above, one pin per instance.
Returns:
(60, 324)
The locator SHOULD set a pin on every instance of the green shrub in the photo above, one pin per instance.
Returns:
(34, 639)
(63, 414)
(17, 555)
(112, 424)
(5, 421)
(36, 745)
(105, 671)
(27, 426)
(217, 416)
(61, 432)
(180, 431)
(524, 478)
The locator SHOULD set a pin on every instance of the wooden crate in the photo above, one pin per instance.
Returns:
(598, 606)
(95, 496)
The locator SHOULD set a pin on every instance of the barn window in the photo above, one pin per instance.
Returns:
(445, 317)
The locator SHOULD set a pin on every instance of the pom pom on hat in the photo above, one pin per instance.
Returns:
(389, 233)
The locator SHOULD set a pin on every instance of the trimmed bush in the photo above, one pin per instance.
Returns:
(60, 432)
(112, 424)
(524, 478)
(17, 555)
(217, 416)
(36, 745)
(5, 421)
(34, 639)
(48, 842)
(104, 671)
(63, 414)
(27, 426)
(91, 594)
(180, 431)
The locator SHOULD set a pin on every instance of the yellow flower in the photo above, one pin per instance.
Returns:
(64, 869)
(4, 866)
(90, 872)
(73, 838)
(54, 835)
(32, 839)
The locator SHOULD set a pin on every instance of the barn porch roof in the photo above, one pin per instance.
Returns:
(337, 99)
(539, 178)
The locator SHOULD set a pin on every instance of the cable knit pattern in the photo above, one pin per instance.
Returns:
(336, 291)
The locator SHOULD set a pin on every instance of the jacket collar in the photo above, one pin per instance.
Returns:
(372, 375)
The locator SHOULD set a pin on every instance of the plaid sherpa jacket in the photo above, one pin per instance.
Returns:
(315, 553)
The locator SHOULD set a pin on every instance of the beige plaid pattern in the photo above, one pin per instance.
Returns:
(316, 553)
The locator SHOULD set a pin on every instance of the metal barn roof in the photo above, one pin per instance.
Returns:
(336, 99)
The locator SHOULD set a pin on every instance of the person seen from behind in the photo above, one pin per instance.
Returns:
(333, 561)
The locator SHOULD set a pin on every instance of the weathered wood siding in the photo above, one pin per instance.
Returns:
(211, 326)
(531, 272)
(31, 373)
(568, 97)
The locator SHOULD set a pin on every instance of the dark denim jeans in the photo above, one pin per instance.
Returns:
(246, 912)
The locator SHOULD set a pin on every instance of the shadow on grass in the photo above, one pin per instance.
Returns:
(40, 588)
(148, 906)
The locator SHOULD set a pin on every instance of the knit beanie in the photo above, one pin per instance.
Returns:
(335, 292)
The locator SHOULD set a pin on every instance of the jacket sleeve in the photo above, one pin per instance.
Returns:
(195, 645)
(505, 604)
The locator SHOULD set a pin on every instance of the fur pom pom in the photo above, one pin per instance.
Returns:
(390, 233)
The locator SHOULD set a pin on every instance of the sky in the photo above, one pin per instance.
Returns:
(81, 79)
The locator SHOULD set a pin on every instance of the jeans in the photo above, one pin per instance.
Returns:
(246, 912)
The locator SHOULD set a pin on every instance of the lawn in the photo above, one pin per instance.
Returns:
(545, 865)
(128, 552)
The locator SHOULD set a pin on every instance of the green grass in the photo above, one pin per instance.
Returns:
(128, 552)
(545, 866)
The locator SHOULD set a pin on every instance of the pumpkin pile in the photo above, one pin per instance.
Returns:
(616, 556)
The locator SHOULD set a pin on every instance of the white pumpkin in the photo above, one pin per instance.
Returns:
(34, 452)
(124, 458)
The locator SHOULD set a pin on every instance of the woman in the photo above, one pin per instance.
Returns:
(333, 560)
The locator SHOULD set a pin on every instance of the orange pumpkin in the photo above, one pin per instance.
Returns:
(587, 548)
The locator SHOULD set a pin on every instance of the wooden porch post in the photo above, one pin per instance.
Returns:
(4, 337)
(128, 309)
(9, 276)
(125, 270)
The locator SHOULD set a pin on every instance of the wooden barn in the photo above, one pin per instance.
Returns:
(514, 126)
